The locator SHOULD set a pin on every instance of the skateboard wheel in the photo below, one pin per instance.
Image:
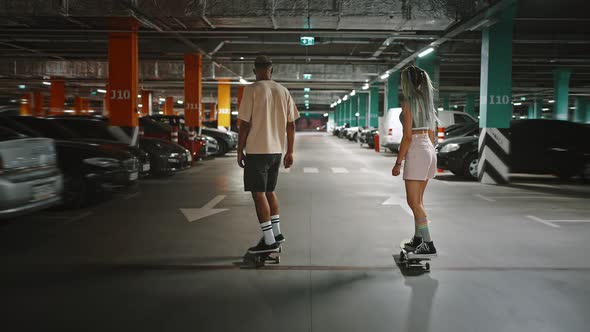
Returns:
(278, 260)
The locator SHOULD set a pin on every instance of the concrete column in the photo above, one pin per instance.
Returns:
(392, 90)
(470, 104)
(495, 108)
(146, 103)
(58, 97)
(446, 104)
(587, 120)
(106, 102)
(362, 97)
(38, 100)
(78, 105)
(169, 106)
(429, 63)
(25, 104)
(538, 108)
(337, 114)
(123, 73)
(561, 88)
(193, 86)
(346, 110)
(580, 111)
(374, 106)
(212, 110)
(224, 104)
(354, 110)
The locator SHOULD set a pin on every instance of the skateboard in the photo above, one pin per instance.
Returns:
(412, 261)
(260, 260)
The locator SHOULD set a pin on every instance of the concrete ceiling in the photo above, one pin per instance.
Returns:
(355, 42)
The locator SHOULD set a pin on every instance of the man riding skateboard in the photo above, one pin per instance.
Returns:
(267, 114)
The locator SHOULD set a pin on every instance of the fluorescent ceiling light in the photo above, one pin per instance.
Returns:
(551, 101)
(326, 115)
(523, 98)
(440, 109)
(306, 96)
(307, 76)
(306, 89)
(234, 112)
(162, 99)
(243, 81)
(353, 93)
(139, 105)
(426, 52)
(22, 86)
(241, 58)
(384, 76)
(101, 90)
(545, 109)
(138, 96)
(517, 104)
(365, 87)
(180, 102)
(339, 101)
(69, 111)
(572, 108)
(357, 114)
(46, 83)
(345, 97)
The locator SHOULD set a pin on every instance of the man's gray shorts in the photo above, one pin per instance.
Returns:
(261, 172)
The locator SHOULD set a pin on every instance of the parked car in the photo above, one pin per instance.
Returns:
(392, 129)
(29, 177)
(368, 136)
(166, 157)
(337, 130)
(351, 133)
(95, 129)
(198, 147)
(462, 130)
(88, 167)
(227, 140)
(536, 146)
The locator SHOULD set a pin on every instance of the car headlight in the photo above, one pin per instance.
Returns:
(102, 162)
(450, 148)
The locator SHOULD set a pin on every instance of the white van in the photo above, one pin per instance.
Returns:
(391, 130)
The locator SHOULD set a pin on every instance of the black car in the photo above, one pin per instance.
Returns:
(88, 168)
(462, 130)
(368, 137)
(95, 129)
(166, 157)
(227, 140)
(536, 146)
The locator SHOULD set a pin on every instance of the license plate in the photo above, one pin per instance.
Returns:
(43, 191)
(146, 167)
(133, 176)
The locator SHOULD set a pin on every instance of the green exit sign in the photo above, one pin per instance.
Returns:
(307, 41)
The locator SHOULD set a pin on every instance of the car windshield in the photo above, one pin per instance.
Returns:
(7, 134)
(89, 129)
(47, 128)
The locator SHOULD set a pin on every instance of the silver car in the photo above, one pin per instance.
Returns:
(29, 177)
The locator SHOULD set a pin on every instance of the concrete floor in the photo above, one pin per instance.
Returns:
(512, 258)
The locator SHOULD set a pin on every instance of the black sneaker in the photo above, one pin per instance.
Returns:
(425, 249)
(280, 239)
(413, 243)
(262, 247)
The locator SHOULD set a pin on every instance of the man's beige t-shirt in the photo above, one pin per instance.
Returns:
(267, 106)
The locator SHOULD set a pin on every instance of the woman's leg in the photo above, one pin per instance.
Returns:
(414, 199)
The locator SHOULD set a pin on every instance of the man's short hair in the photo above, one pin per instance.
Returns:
(262, 62)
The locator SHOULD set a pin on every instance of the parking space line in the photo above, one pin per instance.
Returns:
(310, 170)
(485, 198)
(284, 170)
(339, 170)
(543, 221)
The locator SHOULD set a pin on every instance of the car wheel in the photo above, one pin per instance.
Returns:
(223, 148)
(75, 192)
(470, 167)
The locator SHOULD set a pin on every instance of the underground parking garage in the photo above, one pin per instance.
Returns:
(124, 126)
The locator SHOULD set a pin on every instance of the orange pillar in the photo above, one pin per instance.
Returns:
(106, 103)
(38, 103)
(146, 103)
(223, 103)
(212, 112)
(78, 105)
(240, 95)
(58, 97)
(25, 104)
(86, 105)
(193, 86)
(169, 106)
(123, 73)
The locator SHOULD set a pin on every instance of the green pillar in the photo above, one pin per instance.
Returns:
(374, 106)
(347, 117)
(538, 108)
(446, 102)
(587, 113)
(495, 108)
(392, 90)
(470, 104)
(531, 111)
(354, 102)
(580, 112)
(363, 109)
(429, 64)
(337, 115)
(561, 88)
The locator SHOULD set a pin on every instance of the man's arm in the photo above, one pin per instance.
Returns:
(243, 137)
(290, 142)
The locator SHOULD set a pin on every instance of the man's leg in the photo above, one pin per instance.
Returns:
(275, 218)
(263, 209)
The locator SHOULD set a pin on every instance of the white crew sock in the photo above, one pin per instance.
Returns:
(276, 226)
(269, 237)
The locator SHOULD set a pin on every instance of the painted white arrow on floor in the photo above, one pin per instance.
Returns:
(394, 200)
(206, 211)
